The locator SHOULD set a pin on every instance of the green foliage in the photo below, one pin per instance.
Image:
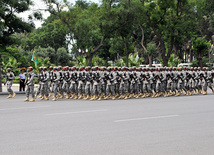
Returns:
(201, 46)
(59, 57)
(51, 34)
(112, 30)
(63, 57)
(204, 62)
(134, 60)
(10, 63)
(81, 61)
(173, 61)
(97, 61)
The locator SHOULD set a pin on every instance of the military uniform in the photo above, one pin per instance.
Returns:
(30, 85)
(9, 82)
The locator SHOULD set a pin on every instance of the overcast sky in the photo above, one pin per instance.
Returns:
(39, 4)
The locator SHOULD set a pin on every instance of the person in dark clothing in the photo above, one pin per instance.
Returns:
(22, 81)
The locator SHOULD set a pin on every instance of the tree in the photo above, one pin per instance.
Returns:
(51, 34)
(200, 48)
(10, 23)
(169, 21)
(151, 51)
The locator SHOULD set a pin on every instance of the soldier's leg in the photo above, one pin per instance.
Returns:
(107, 91)
(10, 91)
(42, 90)
(38, 91)
(55, 91)
(86, 94)
(210, 85)
(27, 93)
(32, 93)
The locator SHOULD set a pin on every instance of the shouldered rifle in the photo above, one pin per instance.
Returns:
(6, 80)
(27, 79)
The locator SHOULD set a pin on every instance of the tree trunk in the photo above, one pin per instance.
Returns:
(0, 74)
(89, 59)
(165, 60)
(127, 53)
(200, 62)
(150, 60)
(127, 59)
(191, 55)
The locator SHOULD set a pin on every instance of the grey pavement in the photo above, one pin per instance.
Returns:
(151, 126)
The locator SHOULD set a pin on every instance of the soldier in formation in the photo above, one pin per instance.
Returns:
(30, 85)
(9, 82)
(98, 83)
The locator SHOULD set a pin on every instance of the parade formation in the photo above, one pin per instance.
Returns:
(97, 83)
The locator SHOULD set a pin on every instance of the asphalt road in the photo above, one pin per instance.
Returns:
(152, 126)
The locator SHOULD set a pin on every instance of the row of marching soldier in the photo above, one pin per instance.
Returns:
(97, 83)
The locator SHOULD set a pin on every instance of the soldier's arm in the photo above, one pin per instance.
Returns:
(32, 78)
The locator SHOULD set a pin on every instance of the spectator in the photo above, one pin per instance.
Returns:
(22, 80)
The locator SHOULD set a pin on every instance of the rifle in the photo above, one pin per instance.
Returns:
(27, 79)
(6, 80)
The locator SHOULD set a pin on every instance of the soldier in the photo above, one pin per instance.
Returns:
(158, 83)
(126, 77)
(204, 81)
(74, 83)
(209, 79)
(9, 81)
(30, 85)
(122, 83)
(102, 82)
(179, 80)
(40, 78)
(44, 84)
(88, 83)
(60, 90)
(109, 88)
(66, 81)
(56, 78)
(81, 82)
(50, 85)
(145, 83)
(96, 88)
(212, 73)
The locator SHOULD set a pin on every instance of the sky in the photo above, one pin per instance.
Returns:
(39, 4)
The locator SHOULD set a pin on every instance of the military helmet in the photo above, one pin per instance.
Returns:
(102, 68)
(109, 69)
(115, 68)
(30, 68)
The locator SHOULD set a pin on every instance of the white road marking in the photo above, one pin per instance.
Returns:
(145, 118)
(20, 108)
(76, 112)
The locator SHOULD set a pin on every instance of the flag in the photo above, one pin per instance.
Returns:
(34, 58)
